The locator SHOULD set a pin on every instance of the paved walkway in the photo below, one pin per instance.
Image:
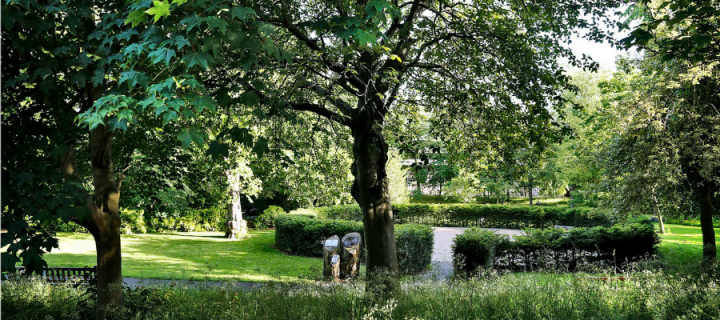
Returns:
(442, 249)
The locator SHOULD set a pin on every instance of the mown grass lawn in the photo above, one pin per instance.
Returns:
(192, 256)
(682, 244)
(207, 255)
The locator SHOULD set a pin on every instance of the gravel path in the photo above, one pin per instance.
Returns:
(442, 249)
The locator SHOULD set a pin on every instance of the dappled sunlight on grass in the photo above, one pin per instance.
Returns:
(196, 255)
(682, 244)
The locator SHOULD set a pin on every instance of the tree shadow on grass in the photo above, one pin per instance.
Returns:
(207, 256)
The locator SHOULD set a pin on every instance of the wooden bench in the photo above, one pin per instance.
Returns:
(86, 275)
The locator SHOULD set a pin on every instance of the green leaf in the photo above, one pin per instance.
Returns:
(191, 22)
(261, 147)
(203, 102)
(248, 61)
(216, 23)
(191, 135)
(98, 77)
(160, 109)
(211, 45)
(180, 42)
(249, 98)
(134, 49)
(241, 135)
(134, 78)
(160, 9)
(365, 38)
(136, 17)
(162, 54)
(242, 13)
(169, 116)
(197, 59)
(218, 150)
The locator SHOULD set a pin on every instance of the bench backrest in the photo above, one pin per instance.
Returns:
(63, 275)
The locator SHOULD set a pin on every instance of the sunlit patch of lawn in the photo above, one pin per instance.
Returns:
(193, 255)
(682, 244)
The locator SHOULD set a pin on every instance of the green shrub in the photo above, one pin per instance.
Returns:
(304, 235)
(132, 221)
(414, 247)
(267, 218)
(475, 248)
(586, 217)
(477, 215)
(555, 248)
(642, 219)
(57, 225)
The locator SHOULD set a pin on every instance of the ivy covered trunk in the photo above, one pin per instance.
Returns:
(370, 190)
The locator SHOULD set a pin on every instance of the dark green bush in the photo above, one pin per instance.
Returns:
(303, 235)
(474, 248)
(414, 247)
(585, 217)
(555, 248)
(478, 215)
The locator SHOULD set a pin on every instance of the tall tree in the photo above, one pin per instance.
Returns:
(683, 35)
(354, 62)
(666, 134)
(59, 69)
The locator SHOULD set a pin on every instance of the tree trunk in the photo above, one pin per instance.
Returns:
(109, 270)
(370, 190)
(417, 180)
(705, 197)
(656, 211)
(236, 226)
(530, 191)
(104, 224)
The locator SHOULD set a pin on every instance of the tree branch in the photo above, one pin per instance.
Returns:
(304, 106)
(313, 45)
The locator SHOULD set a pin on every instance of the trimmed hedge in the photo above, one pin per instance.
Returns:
(414, 247)
(554, 247)
(303, 235)
(478, 215)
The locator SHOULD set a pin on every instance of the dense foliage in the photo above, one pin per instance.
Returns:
(542, 249)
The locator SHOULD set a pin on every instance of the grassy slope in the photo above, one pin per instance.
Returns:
(198, 255)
